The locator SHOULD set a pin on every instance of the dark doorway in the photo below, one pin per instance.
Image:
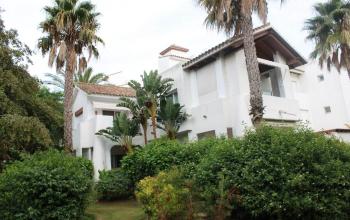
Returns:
(117, 154)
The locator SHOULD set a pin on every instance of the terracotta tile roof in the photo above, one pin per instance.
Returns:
(111, 90)
(173, 47)
(236, 42)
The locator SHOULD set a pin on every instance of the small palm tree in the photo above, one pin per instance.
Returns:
(139, 112)
(153, 88)
(330, 29)
(87, 76)
(171, 117)
(236, 17)
(69, 35)
(122, 132)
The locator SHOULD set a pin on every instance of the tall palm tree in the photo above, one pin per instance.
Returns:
(153, 88)
(122, 132)
(139, 112)
(87, 76)
(69, 35)
(330, 29)
(171, 117)
(235, 16)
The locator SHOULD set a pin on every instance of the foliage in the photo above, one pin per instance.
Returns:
(87, 76)
(164, 196)
(113, 185)
(152, 90)
(122, 132)
(280, 173)
(51, 113)
(163, 154)
(21, 134)
(70, 26)
(138, 110)
(171, 117)
(47, 185)
(330, 29)
(20, 94)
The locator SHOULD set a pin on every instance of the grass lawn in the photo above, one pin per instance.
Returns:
(121, 210)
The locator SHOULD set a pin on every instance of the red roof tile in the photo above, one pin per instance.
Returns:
(111, 90)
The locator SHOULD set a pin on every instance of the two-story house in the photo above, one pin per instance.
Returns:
(214, 89)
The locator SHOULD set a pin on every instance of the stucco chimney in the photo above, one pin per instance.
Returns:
(171, 56)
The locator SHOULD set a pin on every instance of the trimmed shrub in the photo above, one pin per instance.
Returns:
(164, 196)
(113, 185)
(161, 155)
(46, 185)
(281, 173)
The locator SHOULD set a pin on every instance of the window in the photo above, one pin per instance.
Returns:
(207, 134)
(320, 78)
(110, 113)
(173, 96)
(272, 80)
(327, 109)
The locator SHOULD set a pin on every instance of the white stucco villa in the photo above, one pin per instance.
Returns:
(214, 89)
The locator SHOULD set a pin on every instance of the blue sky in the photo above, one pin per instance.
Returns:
(136, 31)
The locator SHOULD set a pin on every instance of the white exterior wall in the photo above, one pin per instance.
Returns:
(87, 124)
(217, 96)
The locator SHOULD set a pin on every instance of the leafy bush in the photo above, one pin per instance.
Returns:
(113, 185)
(46, 185)
(160, 155)
(21, 134)
(163, 196)
(280, 173)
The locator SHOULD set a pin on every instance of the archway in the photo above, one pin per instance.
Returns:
(117, 153)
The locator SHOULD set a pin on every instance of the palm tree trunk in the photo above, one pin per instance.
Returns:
(68, 100)
(144, 128)
(154, 126)
(256, 100)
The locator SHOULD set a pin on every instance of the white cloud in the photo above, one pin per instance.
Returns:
(136, 31)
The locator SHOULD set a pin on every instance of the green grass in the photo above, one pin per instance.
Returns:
(121, 210)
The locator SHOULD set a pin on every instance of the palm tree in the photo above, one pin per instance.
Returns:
(153, 88)
(330, 29)
(171, 117)
(139, 112)
(70, 31)
(236, 17)
(122, 132)
(87, 76)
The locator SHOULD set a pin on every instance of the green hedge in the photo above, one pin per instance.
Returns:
(161, 155)
(113, 185)
(47, 185)
(280, 173)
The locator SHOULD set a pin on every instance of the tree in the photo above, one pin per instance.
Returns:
(122, 132)
(87, 76)
(330, 30)
(30, 117)
(236, 17)
(153, 88)
(138, 111)
(171, 117)
(69, 32)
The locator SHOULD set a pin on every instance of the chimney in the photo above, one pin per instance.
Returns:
(171, 56)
